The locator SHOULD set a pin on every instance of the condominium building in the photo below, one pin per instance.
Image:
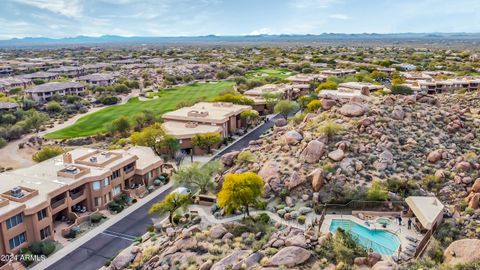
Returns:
(204, 117)
(433, 87)
(100, 79)
(44, 92)
(35, 201)
(70, 71)
(46, 76)
(9, 83)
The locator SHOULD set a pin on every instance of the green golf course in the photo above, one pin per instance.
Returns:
(167, 100)
(264, 73)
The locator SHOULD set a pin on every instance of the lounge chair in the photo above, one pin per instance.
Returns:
(413, 245)
(411, 248)
(409, 238)
(405, 257)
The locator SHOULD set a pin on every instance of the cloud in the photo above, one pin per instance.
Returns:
(340, 17)
(67, 8)
(261, 31)
(312, 3)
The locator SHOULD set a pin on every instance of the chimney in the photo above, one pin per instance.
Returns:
(67, 158)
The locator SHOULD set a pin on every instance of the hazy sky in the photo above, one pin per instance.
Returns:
(67, 18)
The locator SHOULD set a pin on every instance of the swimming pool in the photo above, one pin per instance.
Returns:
(380, 241)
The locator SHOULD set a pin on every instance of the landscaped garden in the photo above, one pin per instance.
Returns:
(167, 100)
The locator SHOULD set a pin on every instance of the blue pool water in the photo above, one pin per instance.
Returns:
(380, 241)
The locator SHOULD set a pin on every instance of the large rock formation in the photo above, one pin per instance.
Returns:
(313, 152)
(289, 257)
(462, 251)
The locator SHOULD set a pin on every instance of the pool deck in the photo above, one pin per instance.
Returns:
(400, 231)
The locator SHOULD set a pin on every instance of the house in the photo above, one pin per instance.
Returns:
(363, 87)
(97, 67)
(44, 92)
(99, 79)
(257, 94)
(440, 86)
(14, 82)
(203, 117)
(46, 76)
(8, 106)
(338, 72)
(6, 70)
(36, 201)
(69, 71)
(185, 131)
(389, 71)
(306, 78)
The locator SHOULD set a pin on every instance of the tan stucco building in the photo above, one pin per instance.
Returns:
(34, 199)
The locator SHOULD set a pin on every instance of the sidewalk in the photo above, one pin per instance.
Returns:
(60, 254)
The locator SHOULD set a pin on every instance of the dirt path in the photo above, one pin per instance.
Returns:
(13, 157)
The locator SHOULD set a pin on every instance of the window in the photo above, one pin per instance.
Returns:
(14, 221)
(107, 197)
(96, 185)
(129, 167)
(42, 214)
(17, 240)
(45, 232)
(116, 190)
(106, 182)
(98, 201)
(116, 174)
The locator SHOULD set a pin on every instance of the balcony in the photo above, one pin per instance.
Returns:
(58, 203)
(76, 195)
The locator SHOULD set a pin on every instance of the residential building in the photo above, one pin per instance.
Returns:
(306, 78)
(222, 117)
(440, 86)
(8, 106)
(9, 83)
(185, 131)
(34, 201)
(338, 72)
(97, 67)
(44, 92)
(363, 87)
(257, 94)
(99, 79)
(70, 71)
(46, 76)
(6, 70)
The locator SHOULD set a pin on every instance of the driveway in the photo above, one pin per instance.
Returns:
(108, 243)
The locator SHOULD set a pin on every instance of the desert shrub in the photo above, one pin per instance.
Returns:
(301, 219)
(401, 90)
(447, 232)
(47, 152)
(96, 217)
(271, 251)
(245, 157)
(377, 192)
(431, 183)
(48, 247)
(314, 105)
(263, 218)
(36, 248)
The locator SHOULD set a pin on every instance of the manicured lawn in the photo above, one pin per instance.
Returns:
(263, 73)
(167, 100)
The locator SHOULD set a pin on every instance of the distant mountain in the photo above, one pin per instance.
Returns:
(213, 39)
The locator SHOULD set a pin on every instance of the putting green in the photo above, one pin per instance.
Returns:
(167, 100)
(263, 73)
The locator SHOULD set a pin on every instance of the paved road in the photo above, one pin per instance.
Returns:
(93, 254)
(243, 142)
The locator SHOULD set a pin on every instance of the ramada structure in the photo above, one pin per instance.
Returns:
(201, 118)
(35, 200)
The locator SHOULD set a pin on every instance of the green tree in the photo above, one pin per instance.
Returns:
(35, 120)
(47, 152)
(327, 85)
(170, 205)
(249, 116)
(401, 90)
(240, 190)
(120, 125)
(155, 137)
(286, 107)
(377, 192)
(198, 176)
(271, 99)
(207, 140)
